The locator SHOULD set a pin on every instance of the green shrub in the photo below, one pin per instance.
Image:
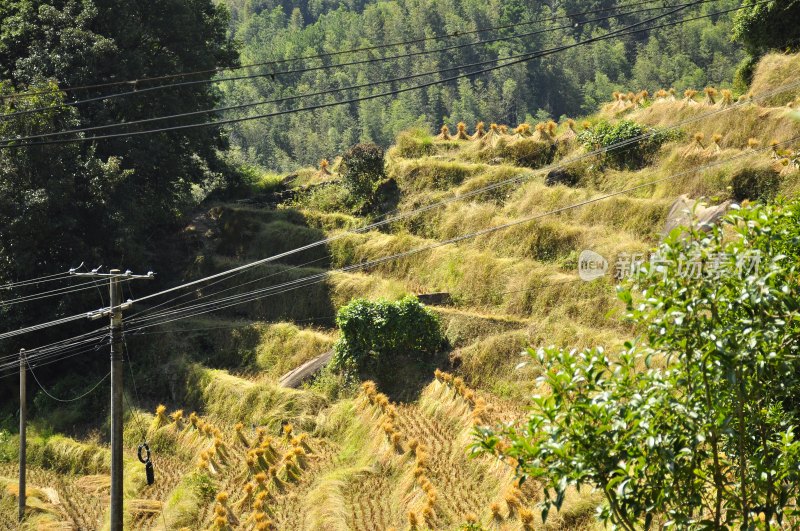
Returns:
(631, 156)
(744, 73)
(526, 152)
(763, 26)
(372, 332)
(362, 169)
(755, 184)
(9, 447)
(333, 198)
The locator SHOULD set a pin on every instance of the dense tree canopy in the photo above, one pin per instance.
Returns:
(107, 202)
(768, 26)
(695, 54)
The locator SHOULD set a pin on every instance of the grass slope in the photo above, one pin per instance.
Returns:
(328, 457)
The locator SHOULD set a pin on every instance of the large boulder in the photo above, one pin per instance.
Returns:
(692, 212)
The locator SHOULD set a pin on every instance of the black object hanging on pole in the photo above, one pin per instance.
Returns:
(148, 464)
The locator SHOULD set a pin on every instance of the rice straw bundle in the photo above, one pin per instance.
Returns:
(461, 133)
(714, 147)
(323, 168)
(480, 132)
(541, 134)
(711, 94)
(492, 137)
(688, 97)
(569, 134)
(522, 131)
(444, 133)
(726, 99)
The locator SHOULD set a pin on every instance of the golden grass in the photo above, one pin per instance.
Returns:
(94, 483)
(284, 346)
(775, 70)
(390, 465)
(751, 121)
(231, 399)
(66, 455)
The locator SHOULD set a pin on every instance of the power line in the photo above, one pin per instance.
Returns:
(134, 82)
(329, 317)
(40, 280)
(61, 343)
(242, 268)
(55, 350)
(521, 59)
(42, 326)
(314, 279)
(389, 218)
(51, 360)
(84, 395)
(226, 273)
(304, 70)
(48, 294)
(38, 358)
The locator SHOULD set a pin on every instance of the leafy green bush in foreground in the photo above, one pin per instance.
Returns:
(696, 423)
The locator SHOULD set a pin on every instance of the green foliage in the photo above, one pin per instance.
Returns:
(698, 422)
(634, 155)
(744, 73)
(362, 169)
(114, 201)
(335, 383)
(9, 447)
(764, 26)
(375, 332)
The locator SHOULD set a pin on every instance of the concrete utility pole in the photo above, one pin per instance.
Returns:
(23, 439)
(115, 313)
(116, 401)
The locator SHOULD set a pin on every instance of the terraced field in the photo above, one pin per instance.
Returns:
(397, 454)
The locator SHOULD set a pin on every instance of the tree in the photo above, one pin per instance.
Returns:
(113, 202)
(697, 422)
(67, 43)
(362, 169)
(373, 333)
(561, 84)
(764, 26)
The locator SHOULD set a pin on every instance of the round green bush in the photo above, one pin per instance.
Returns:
(375, 331)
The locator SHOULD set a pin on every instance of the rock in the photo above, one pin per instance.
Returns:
(686, 212)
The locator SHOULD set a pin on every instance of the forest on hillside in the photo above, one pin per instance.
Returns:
(696, 54)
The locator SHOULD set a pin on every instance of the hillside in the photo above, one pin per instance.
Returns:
(234, 450)
(698, 53)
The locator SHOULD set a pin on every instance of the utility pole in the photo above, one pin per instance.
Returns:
(116, 401)
(23, 439)
(115, 313)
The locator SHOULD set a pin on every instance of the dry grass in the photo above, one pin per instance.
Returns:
(284, 346)
(775, 70)
(232, 399)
